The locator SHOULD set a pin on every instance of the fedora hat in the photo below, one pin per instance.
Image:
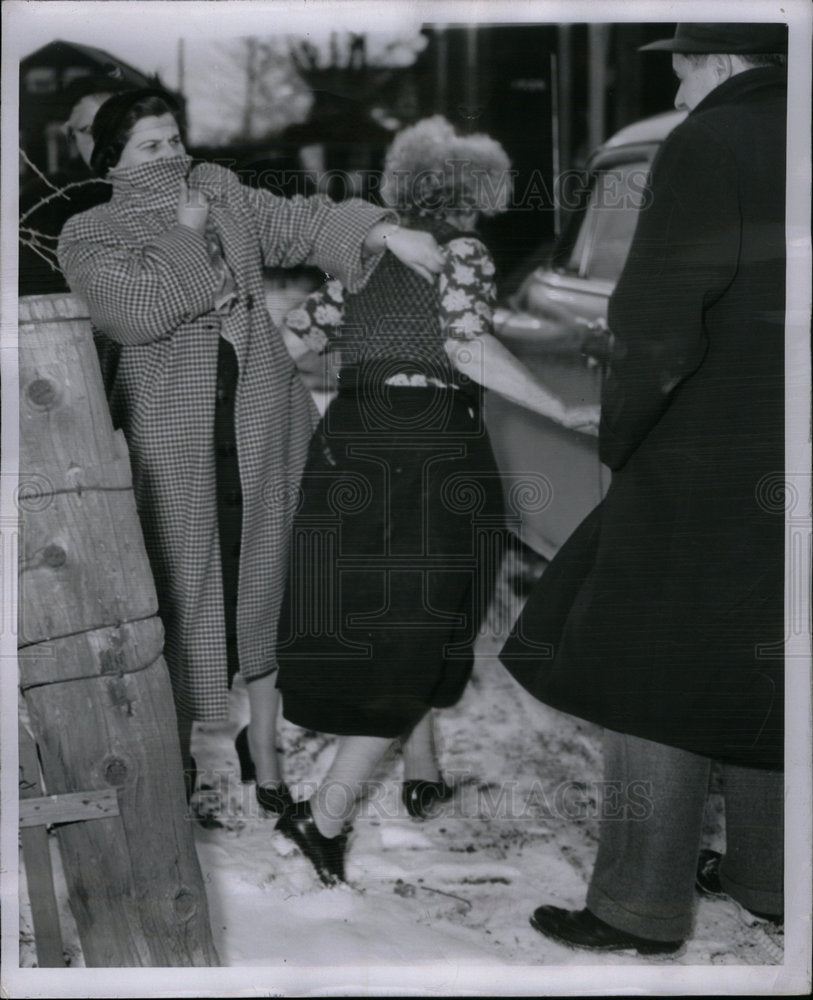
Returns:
(733, 38)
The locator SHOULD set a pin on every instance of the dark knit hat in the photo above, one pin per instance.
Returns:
(115, 119)
(734, 38)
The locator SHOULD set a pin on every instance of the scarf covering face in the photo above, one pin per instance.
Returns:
(157, 183)
(155, 186)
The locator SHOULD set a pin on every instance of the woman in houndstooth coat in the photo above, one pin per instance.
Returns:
(215, 415)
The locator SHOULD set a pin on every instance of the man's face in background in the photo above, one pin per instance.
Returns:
(697, 78)
(80, 120)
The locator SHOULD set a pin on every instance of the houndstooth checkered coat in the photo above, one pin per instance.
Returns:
(150, 285)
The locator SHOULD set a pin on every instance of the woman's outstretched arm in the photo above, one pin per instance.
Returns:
(467, 298)
(345, 239)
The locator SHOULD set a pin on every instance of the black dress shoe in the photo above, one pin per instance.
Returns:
(272, 798)
(707, 882)
(326, 854)
(582, 929)
(276, 799)
(707, 879)
(420, 797)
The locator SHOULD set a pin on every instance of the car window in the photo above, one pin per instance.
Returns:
(608, 225)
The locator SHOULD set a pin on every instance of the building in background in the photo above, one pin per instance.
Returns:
(45, 77)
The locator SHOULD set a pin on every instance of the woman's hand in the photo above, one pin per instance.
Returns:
(193, 208)
(418, 250)
(583, 418)
(304, 359)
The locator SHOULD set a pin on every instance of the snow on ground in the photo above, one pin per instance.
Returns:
(455, 889)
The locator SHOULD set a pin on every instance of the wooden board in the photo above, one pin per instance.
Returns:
(83, 566)
(60, 306)
(64, 419)
(37, 861)
(122, 649)
(69, 808)
(83, 563)
(134, 880)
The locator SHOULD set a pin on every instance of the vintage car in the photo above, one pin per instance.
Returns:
(556, 323)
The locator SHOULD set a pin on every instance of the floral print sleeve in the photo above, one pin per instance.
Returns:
(318, 319)
(467, 290)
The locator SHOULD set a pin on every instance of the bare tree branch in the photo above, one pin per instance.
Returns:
(45, 253)
(39, 173)
(60, 193)
(36, 234)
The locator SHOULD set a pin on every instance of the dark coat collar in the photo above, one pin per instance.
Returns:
(743, 84)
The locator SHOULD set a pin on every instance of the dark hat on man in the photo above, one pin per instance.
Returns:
(734, 38)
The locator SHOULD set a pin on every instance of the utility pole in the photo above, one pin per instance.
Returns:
(181, 66)
(598, 38)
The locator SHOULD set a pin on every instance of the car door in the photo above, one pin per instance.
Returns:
(556, 323)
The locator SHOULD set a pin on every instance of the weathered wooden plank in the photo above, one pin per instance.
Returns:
(83, 566)
(118, 649)
(83, 563)
(37, 860)
(69, 808)
(64, 417)
(36, 489)
(58, 306)
(140, 900)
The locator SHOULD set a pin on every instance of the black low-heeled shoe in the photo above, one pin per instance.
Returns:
(276, 799)
(326, 854)
(421, 796)
(273, 799)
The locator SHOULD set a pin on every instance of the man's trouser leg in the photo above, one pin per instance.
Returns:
(643, 880)
(752, 869)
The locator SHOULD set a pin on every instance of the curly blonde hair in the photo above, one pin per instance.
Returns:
(431, 170)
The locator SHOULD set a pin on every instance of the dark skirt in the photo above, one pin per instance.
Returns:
(229, 495)
(396, 543)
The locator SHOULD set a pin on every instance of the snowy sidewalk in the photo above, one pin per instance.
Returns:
(453, 892)
(457, 888)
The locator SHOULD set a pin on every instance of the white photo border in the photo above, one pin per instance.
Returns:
(29, 24)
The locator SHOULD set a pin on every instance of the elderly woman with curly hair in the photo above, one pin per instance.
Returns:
(397, 533)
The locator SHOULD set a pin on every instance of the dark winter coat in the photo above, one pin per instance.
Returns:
(663, 613)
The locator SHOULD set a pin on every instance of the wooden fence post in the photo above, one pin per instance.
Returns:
(39, 874)
(90, 659)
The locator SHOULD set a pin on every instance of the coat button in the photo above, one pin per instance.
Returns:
(249, 302)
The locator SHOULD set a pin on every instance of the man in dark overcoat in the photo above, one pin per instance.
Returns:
(663, 613)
